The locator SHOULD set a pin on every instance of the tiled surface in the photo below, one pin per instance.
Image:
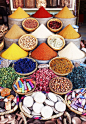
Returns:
(82, 30)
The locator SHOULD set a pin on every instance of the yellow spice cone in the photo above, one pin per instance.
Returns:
(14, 52)
(19, 14)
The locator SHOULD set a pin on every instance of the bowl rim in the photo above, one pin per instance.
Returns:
(54, 30)
(30, 29)
(58, 36)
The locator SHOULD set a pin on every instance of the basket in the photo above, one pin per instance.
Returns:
(12, 110)
(20, 93)
(56, 36)
(2, 45)
(73, 110)
(40, 118)
(30, 47)
(60, 93)
(25, 74)
(30, 29)
(54, 30)
(64, 59)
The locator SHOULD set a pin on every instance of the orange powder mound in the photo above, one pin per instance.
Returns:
(69, 33)
(43, 52)
(65, 13)
(19, 14)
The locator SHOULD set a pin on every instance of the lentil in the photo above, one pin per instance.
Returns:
(7, 77)
(61, 65)
(78, 77)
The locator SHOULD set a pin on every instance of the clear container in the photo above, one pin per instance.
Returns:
(18, 3)
(52, 3)
(40, 3)
(67, 3)
(29, 3)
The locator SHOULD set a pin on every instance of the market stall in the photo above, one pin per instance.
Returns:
(42, 69)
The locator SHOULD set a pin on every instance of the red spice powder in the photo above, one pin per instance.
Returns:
(43, 52)
(42, 13)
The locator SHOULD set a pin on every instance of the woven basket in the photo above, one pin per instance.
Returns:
(29, 92)
(60, 93)
(29, 48)
(26, 73)
(25, 122)
(54, 30)
(56, 36)
(2, 45)
(73, 110)
(60, 73)
(41, 118)
(12, 110)
(30, 29)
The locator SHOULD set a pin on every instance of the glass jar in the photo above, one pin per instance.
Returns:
(29, 3)
(18, 3)
(40, 3)
(67, 3)
(52, 3)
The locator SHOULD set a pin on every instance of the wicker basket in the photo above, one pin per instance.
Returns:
(56, 36)
(60, 93)
(29, 48)
(12, 110)
(30, 29)
(73, 110)
(20, 93)
(41, 118)
(65, 59)
(25, 74)
(2, 45)
(54, 30)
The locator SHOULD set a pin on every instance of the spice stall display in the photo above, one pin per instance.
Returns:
(66, 16)
(42, 105)
(13, 35)
(70, 35)
(42, 15)
(14, 52)
(17, 17)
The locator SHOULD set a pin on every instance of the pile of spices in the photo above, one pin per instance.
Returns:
(60, 84)
(14, 52)
(54, 24)
(7, 77)
(78, 77)
(72, 52)
(42, 32)
(15, 32)
(7, 99)
(42, 78)
(69, 33)
(24, 85)
(76, 100)
(42, 13)
(61, 65)
(43, 52)
(65, 13)
(19, 14)
(30, 23)
(25, 65)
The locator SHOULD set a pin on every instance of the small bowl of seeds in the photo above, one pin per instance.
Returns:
(28, 42)
(60, 85)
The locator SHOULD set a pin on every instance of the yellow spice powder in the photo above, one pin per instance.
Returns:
(15, 32)
(69, 33)
(65, 13)
(19, 14)
(14, 52)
